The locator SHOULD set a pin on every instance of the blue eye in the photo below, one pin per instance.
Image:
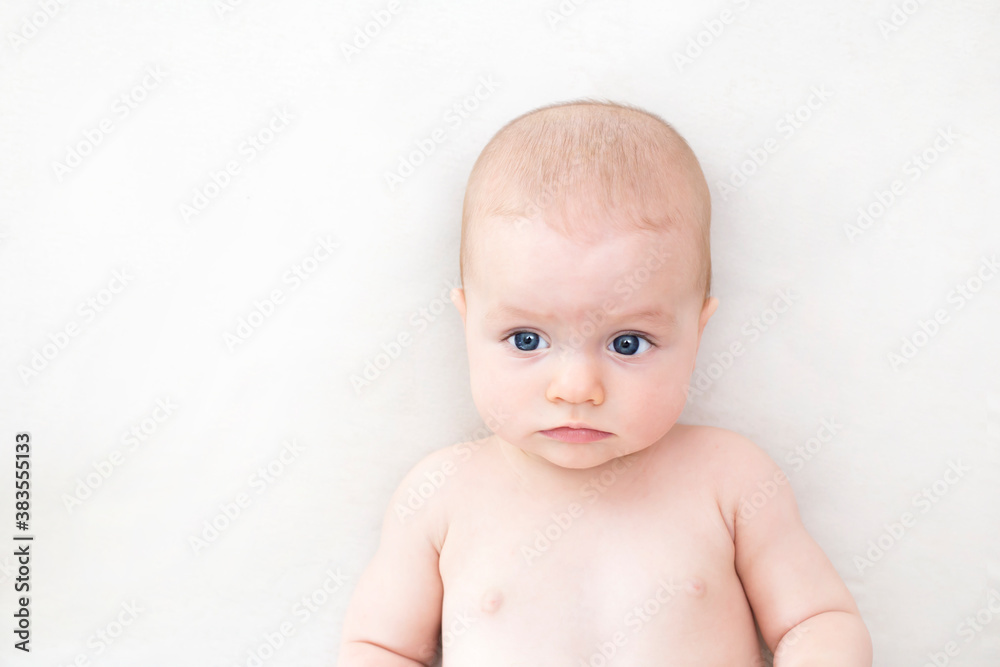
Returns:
(528, 341)
(629, 344)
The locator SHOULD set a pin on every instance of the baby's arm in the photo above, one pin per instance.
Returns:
(394, 617)
(806, 614)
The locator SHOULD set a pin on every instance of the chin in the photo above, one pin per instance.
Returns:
(577, 456)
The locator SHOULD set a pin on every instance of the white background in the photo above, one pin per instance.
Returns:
(190, 279)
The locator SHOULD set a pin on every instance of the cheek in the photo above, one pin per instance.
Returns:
(497, 390)
(652, 403)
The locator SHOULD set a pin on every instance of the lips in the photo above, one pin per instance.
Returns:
(576, 434)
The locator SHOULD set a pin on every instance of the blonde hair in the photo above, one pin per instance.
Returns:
(566, 158)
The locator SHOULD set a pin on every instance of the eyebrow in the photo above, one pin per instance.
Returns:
(654, 315)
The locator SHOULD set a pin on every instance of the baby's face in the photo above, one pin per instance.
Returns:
(601, 334)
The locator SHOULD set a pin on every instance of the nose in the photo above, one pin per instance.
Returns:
(577, 379)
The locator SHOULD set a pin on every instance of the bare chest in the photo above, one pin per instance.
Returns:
(583, 581)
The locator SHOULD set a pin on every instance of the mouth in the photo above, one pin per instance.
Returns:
(575, 434)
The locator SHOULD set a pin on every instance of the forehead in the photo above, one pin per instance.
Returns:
(525, 264)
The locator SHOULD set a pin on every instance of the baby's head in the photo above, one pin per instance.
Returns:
(586, 275)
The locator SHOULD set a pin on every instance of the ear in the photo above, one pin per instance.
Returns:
(711, 303)
(707, 310)
(458, 298)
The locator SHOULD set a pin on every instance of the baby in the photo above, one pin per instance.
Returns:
(591, 528)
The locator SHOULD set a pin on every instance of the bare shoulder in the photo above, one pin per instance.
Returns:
(743, 473)
(717, 446)
(428, 490)
(460, 461)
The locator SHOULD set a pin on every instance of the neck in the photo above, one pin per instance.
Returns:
(543, 479)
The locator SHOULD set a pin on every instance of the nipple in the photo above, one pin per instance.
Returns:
(492, 600)
(694, 586)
